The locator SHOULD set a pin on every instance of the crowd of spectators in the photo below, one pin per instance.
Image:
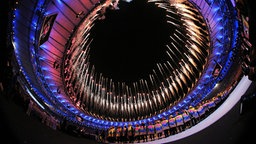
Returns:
(166, 126)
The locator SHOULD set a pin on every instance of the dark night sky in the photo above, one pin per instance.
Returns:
(5, 52)
(130, 41)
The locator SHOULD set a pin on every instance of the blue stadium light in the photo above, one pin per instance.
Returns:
(218, 53)
(59, 1)
(216, 9)
(219, 36)
(72, 109)
(48, 77)
(62, 101)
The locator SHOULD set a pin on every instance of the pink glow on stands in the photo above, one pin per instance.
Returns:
(88, 4)
(53, 49)
(95, 1)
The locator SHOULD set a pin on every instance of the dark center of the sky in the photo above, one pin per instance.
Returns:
(129, 42)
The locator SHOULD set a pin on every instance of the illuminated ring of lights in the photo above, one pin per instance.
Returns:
(98, 97)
